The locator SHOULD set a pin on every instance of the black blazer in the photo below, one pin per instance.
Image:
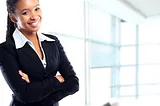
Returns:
(44, 89)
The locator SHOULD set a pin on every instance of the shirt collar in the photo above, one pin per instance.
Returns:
(42, 37)
(20, 39)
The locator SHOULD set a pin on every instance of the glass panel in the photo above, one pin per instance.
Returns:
(128, 33)
(128, 91)
(149, 33)
(153, 89)
(149, 54)
(127, 55)
(102, 55)
(100, 82)
(127, 75)
(149, 74)
(99, 25)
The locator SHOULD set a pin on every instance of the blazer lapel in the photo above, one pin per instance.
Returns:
(46, 51)
(28, 51)
(32, 54)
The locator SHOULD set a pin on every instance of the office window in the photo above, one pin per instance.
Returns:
(127, 91)
(146, 90)
(128, 75)
(128, 55)
(102, 55)
(149, 74)
(99, 25)
(100, 84)
(149, 54)
(149, 33)
(127, 81)
(127, 33)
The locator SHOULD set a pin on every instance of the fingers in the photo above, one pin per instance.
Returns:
(24, 76)
(26, 79)
(60, 78)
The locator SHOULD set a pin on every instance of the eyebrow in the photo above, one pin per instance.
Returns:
(28, 9)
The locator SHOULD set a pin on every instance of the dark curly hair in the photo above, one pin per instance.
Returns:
(11, 5)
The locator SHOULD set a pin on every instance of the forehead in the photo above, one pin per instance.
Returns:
(26, 4)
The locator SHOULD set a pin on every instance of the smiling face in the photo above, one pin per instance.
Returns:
(28, 16)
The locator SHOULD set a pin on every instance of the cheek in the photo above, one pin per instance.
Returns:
(40, 13)
(22, 20)
(25, 19)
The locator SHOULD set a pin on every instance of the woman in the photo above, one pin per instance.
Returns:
(30, 60)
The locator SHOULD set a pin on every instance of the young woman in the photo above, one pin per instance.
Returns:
(30, 60)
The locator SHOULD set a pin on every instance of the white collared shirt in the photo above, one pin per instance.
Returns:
(20, 41)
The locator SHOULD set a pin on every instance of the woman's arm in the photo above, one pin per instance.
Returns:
(71, 84)
(54, 97)
(71, 81)
(26, 78)
(26, 92)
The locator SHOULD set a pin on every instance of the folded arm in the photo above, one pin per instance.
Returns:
(26, 92)
(71, 81)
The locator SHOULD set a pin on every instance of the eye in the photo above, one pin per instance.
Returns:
(25, 13)
(36, 9)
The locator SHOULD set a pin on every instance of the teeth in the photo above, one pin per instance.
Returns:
(34, 24)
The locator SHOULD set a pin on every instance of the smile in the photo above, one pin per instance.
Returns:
(34, 24)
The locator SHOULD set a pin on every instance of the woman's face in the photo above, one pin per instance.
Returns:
(28, 16)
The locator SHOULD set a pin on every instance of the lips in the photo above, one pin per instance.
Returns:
(34, 24)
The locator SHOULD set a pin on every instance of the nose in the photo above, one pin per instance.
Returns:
(33, 16)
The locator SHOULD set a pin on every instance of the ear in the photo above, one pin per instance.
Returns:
(12, 17)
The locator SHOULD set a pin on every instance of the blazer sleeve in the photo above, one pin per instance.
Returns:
(71, 83)
(26, 92)
(54, 97)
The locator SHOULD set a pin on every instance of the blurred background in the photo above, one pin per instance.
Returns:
(113, 45)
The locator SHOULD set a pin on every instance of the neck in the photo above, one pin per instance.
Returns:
(32, 36)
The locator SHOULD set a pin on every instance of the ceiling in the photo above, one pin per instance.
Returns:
(136, 11)
(147, 8)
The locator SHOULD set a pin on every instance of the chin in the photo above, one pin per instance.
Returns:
(33, 29)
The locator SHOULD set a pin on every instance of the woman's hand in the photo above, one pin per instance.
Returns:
(24, 76)
(60, 78)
